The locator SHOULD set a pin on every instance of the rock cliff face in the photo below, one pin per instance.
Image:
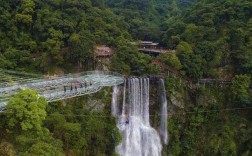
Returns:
(177, 100)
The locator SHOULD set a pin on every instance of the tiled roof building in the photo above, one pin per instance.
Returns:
(103, 51)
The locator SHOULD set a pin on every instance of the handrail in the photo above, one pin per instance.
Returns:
(54, 88)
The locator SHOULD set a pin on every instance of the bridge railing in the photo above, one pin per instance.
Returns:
(54, 87)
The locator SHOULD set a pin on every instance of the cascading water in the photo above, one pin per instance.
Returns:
(124, 99)
(114, 104)
(163, 126)
(139, 138)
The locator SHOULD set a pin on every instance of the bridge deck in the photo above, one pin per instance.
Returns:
(158, 51)
(62, 87)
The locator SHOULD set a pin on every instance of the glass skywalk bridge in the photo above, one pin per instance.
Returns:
(55, 88)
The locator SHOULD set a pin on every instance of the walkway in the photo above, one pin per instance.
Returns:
(152, 52)
(188, 81)
(57, 87)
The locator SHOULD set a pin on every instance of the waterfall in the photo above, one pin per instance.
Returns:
(124, 99)
(139, 138)
(114, 104)
(163, 126)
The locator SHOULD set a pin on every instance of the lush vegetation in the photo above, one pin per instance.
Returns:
(212, 36)
(22, 127)
(52, 34)
(146, 18)
(213, 121)
(211, 39)
(32, 127)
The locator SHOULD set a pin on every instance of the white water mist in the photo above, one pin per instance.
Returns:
(163, 125)
(124, 99)
(114, 104)
(139, 138)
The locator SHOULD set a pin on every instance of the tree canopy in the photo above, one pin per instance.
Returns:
(206, 39)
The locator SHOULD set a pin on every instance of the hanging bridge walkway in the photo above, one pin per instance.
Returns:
(55, 88)
(176, 72)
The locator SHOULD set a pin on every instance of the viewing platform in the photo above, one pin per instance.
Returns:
(154, 52)
(149, 47)
(55, 88)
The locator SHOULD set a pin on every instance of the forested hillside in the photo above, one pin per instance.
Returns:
(212, 36)
(48, 34)
(208, 39)
(212, 40)
(209, 36)
(146, 18)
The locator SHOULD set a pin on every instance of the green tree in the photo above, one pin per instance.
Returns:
(192, 64)
(6, 64)
(184, 47)
(25, 114)
(26, 111)
(128, 60)
(240, 89)
(81, 47)
(70, 133)
(26, 12)
(44, 149)
(193, 33)
(170, 59)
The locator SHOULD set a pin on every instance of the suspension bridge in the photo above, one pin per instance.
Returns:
(55, 88)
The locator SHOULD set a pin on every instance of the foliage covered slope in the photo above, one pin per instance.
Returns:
(212, 36)
(212, 39)
(45, 34)
(145, 18)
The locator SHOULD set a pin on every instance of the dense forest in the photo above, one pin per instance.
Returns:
(212, 39)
